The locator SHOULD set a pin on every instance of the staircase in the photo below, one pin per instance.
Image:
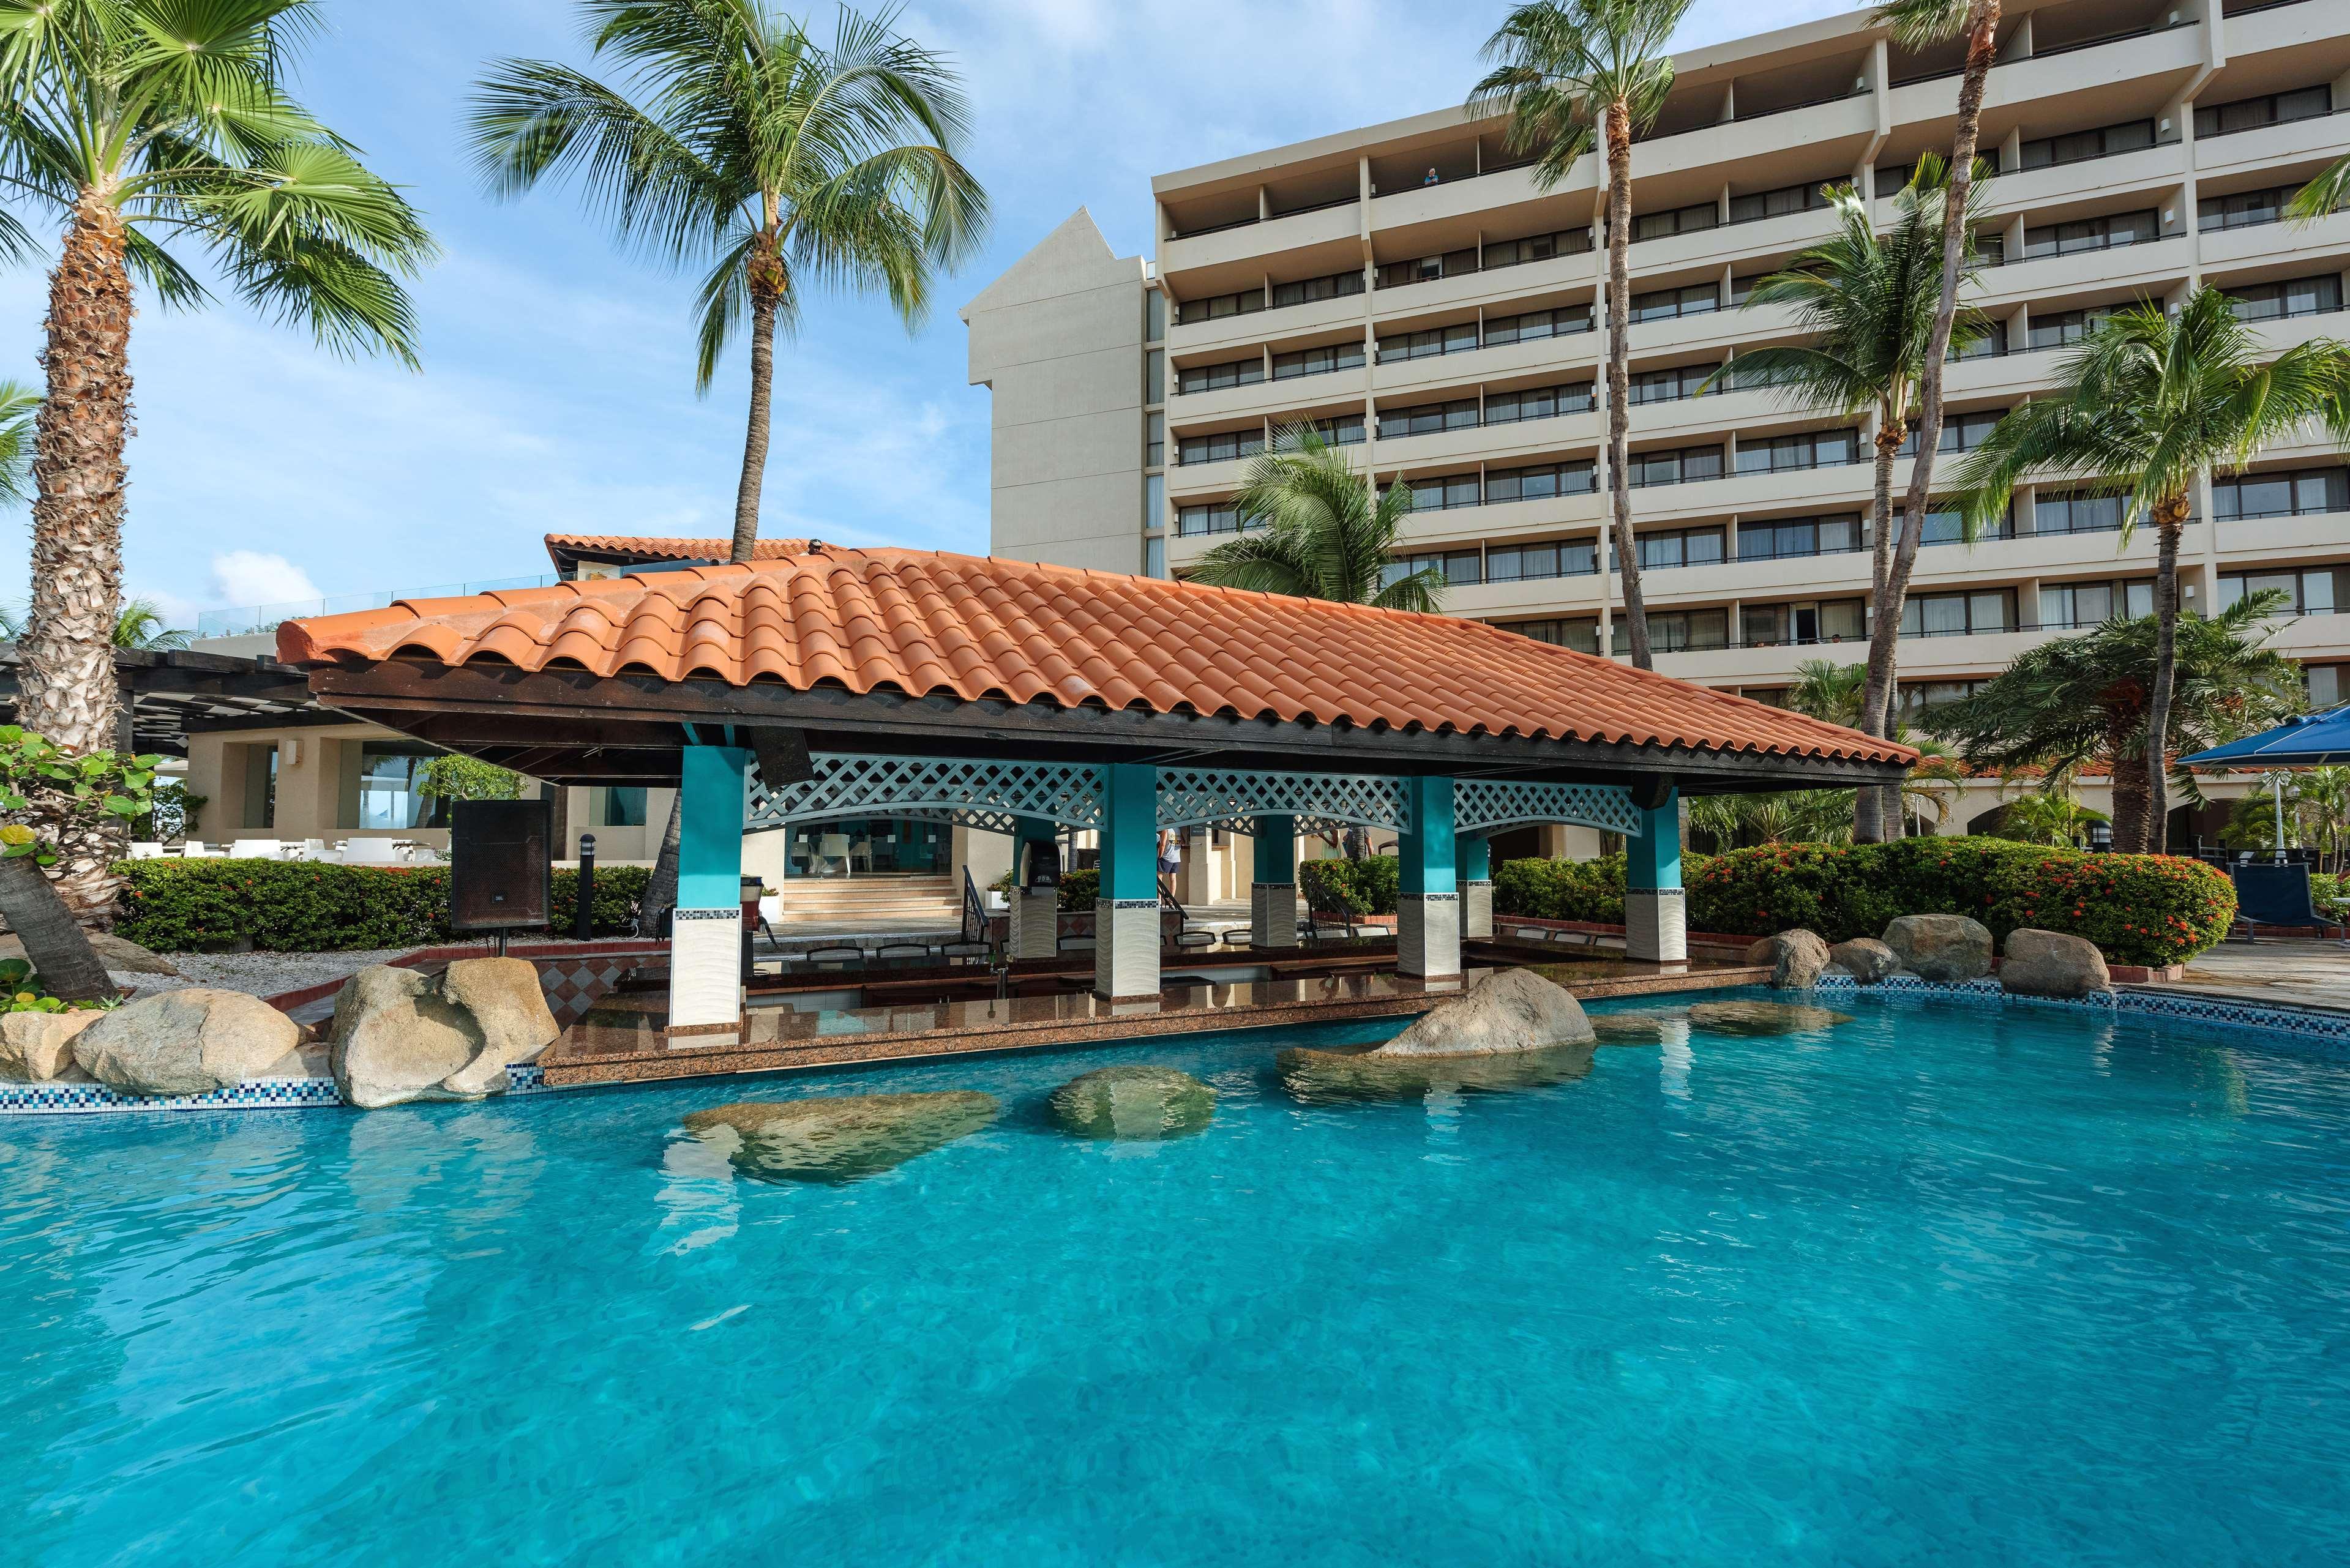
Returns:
(871, 901)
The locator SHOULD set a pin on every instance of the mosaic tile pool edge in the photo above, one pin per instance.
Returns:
(53, 1099)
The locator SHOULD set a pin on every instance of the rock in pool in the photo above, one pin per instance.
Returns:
(1515, 1010)
(400, 1034)
(1138, 1102)
(1758, 1017)
(1321, 1077)
(2052, 963)
(839, 1138)
(1633, 1028)
(1945, 949)
(188, 1042)
(1864, 958)
(1800, 957)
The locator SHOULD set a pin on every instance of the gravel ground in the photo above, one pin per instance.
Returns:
(261, 974)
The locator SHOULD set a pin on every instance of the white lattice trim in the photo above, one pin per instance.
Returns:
(976, 793)
(1198, 798)
(1480, 804)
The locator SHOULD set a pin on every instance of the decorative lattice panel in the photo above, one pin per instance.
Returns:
(1480, 806)
(1193, 797)
(988, 795)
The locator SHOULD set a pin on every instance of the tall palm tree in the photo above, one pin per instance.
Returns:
(2082, 702)
(2327, 193)
(1828, 691)
(1572, 75)
(142, 624)
(1310, 526)
(1917, 24)
(144, 124)
(18, 404)
(734, 140)
(1869, 306)
(2143, 408)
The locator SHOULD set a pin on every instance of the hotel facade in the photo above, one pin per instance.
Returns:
(1412, 291)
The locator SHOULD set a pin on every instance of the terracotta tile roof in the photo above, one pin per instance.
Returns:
(644, 547)
(920, 623)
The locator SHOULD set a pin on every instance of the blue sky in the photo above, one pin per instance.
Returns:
(557, 391)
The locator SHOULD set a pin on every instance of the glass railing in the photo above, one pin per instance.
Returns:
(252, 621)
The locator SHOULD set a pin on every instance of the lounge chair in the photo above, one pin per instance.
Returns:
(2268, 894)
(257, 849)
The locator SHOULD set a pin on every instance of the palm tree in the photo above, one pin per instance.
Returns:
(2050, 816)
(1828, 691)
(1869, 306)
(141, 624)
(2082, 702)
(1319, 533)
(2143, 407)
(1919, 24)
(1570, 75)
(18, 404)
(141, 123)
(735, 140)
(2328, 194)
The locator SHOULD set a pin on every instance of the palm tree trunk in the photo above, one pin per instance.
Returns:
(763, 304)
(2129, 797)
(59, 949)
(2170, 522)
(1869, 804)
(1982, 33)
(1620, 375)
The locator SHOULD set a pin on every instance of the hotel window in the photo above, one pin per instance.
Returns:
(1455, 567)
(1223, 447)
(1424, 269)
(1960, 433)
(1945, 526)
(1813, 449)
(617, 806)
(1583, 636)
(1154, 315)
(1687, 220)
(1563, 322)
(1154, 440)
(2301, 296)
(1742, 289)
(1665, 303)
(1542, 481)
(2321, 590)
(1247, 302)
(1958, 615)
(1989, 344)
(2072, 607)
(1458, 339)
(1154, 555)
(1342, 429)
(1154, 376)
(2091, 234)
(1318, 362)
(2063, 327)
(1216, 377)
(1683, 466)
(1804, 198)
(1782, 626)
(1680, 631)
(1443, 493)
(1538, 403)
(2299, 493)
(1527, 563)
(1784, 536)
(2066, 512)
(261, 783)
(1217, 517)
(1305, 291)
(2079, 146)
(2329, 685)
(1669, 386)
(2244, 209)
(2271, 109)
(1154, 501)
(387, 793)
(1537, 248)
(1890, 177)
(1428, 419)
(1681, 547)
(1920, 697)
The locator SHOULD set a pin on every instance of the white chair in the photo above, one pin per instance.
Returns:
(192, 850)
(147, 851)
(371, 852)
(833, 846)
(312, 849)
(257, 849)
(861, 850)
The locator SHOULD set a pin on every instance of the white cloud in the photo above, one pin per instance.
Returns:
(258, 577)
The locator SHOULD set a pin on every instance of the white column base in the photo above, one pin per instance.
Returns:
(1273, 914)
(705, 977)
(1428, 935)
(1655, 925)
(1477, 912)
(1125, 949)
(1034, 924)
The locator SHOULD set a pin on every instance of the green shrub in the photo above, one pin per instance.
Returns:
(1079, 890)
(1561, 889)
(1367, 887)
(174, 905)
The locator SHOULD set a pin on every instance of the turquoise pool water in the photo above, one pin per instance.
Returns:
(1943, 1285)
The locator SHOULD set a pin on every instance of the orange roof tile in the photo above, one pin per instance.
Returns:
(925, 623)
(648, 547)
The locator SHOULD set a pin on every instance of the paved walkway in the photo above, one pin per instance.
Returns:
(2304, 973)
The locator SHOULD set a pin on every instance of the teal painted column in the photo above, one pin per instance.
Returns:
(1477, 860)
(1427, 907)
(1032, 930)
(1656, 910)
(1126, 913)
(705, 961)
(1477, 889)
(1273, 893)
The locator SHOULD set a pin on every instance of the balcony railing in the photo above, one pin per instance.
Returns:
(2057, 49)
(252, 621)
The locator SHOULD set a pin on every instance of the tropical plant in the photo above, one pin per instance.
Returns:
(49, 797)
(142, 624)
(143, 124)
(2050, 816)
(1868, 303)
(1312, 526)
(2081, 703)
(2315, 808)
(2326, 195)
(452, 776)
(1573, 75)
(2148, 403)
(1827, 689)
(18, 404)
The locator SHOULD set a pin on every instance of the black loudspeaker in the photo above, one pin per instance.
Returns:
(498, 869)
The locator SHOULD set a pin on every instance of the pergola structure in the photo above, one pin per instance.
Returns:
(1026, 699)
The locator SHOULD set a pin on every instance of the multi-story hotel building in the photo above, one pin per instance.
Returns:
(1412, 291)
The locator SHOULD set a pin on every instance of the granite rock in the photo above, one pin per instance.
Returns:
(1864, 958)
(1945, 949)
(839, 1138)
(1322, 1077)
(1135, 1102)
(1761, 1018)
(186, 1041)
(1512, 1010)
(36, 1047)
(2051, 963)
(400, 1034)
(1800, 957)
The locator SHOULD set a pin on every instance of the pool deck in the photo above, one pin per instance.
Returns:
(2297, 973)
(621, 1040)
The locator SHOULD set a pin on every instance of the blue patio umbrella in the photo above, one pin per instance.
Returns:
(2311, 741)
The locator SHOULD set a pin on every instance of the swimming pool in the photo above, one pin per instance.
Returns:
(1943, 1283)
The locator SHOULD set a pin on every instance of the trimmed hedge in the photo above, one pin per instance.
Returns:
(2137, 908)
(1367, 887)
(177, 906)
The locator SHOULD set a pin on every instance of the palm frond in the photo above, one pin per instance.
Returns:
(18, 404)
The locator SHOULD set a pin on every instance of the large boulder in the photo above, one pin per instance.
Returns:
(2050, 963)
(400, 1034)
(1940, 947)
(1133, 1101)
(187, 1042)
(36, 1047)
(1864, 958)
(838, 1137)
(1762, 952)
(1760, 1018)
(1513, 1009)
(1322, 1077)
(1802, 955)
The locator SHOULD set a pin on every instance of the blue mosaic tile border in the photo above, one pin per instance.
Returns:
(2304, 1024)
(253, 1095)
